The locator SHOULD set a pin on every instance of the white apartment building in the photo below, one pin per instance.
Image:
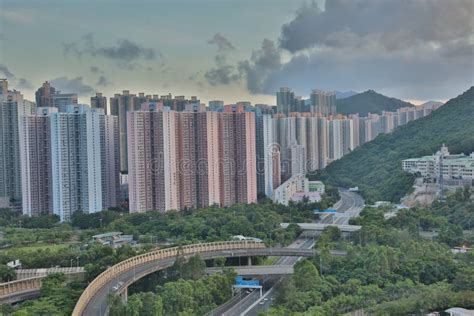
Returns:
(296, 188)
(69, 161)
(12, 108)
(265, 148)
(458, 167)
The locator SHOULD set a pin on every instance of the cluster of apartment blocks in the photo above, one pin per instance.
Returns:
(177, 153)
(311, 134)
(66, 157)
(190, 159)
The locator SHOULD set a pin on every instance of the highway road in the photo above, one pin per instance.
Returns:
(350, 205)
(249, 301)
(97, 305)
(350, 202)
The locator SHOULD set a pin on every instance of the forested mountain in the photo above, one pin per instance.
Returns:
(376, 166)
(369, 101)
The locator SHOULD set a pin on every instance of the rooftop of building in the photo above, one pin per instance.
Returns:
(107, 235)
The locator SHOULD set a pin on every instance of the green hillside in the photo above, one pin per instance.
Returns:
(376, 166)
(369, 101)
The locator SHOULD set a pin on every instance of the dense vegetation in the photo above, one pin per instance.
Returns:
(69, 244)
(56, 299)
(65, 243)
(389, 268)
(369, 101)
(186, 291)
(376, 166)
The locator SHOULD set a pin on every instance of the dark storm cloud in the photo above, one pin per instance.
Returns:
(71, 85)
(393, 23)
(103, 81)
(222, 73)
(223, 44)
(413, 48)
(263, 63)
(126, 50)
(460, 49)
(126, 53)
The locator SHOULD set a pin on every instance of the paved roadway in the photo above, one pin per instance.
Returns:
(98, 303)
(246, 300)
(351, 204)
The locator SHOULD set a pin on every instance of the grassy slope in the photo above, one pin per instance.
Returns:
(376, 166)
(369, 101)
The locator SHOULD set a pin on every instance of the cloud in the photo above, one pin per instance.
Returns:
(393, 24)
(222, 73)
(126, 53)
(458, 49)
(6, 72)
(103, 81)
(94, 69)
(126, 50)
(18, 83)
(417, 49)
(223, 44)
(24, 84)
(71, 85)
(262, 64)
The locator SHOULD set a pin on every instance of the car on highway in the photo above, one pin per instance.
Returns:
(117, 286)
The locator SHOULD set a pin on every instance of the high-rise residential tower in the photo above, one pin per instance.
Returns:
(12, 107)
(120, 104)
(191, 158)
(285, 101)
(44, 95)
(267, 152)
(99, 102)
(238, 157)
(153, 177)
(47, 95)
(65, 157)
(216, 106)
(323, 102)
(36, 162)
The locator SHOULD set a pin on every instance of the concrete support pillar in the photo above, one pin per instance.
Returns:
(249, 261)
(124, 294)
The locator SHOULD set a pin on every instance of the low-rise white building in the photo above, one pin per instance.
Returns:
(296, 189)
(458, 168)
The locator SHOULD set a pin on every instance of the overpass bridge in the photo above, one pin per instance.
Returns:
(93, 300)
(255, 270)
(321, 226)
(29, 281)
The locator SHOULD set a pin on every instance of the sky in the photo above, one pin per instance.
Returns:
(239, 50)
